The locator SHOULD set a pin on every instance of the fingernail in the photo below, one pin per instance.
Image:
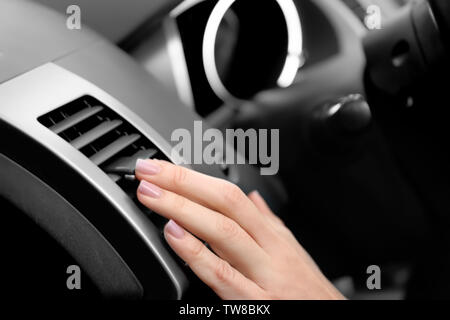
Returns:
(149, 189)
(174, 229)
(147, 167)
(256, 193)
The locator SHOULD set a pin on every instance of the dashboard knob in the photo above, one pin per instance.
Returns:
(338, 126)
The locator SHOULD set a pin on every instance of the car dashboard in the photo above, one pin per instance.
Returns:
(77, 109)
(88, 113)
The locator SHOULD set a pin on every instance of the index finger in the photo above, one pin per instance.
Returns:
(214, 193)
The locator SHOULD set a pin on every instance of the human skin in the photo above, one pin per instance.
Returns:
(253, 255)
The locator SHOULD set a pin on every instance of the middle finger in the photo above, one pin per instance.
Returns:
(216, 194)
(233, 243)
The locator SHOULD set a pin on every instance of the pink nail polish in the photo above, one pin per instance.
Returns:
(174, 229)
(149, 189)
(256, 193)
(147, 167)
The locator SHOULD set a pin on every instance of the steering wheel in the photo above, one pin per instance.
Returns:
(397, 69)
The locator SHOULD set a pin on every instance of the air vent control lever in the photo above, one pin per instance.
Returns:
(124, 167)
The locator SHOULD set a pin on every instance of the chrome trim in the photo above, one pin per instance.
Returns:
(294, 57)
(178, 62)
(183, 7)
(49, 87)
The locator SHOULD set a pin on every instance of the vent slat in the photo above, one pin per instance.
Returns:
(95, 133)
(114, 148)
(75, 119)
(127, 164)
(103, 136)
(114, 177)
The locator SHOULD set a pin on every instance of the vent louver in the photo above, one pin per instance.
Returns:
(102, 135)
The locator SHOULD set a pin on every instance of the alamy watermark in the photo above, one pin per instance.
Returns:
(374, 280)
(373, 17)
(255, 147)
(73, 21)
(73, 281)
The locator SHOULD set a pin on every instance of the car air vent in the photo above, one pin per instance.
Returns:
(103, 136)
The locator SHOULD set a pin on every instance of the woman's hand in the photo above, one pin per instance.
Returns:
(255, 256)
